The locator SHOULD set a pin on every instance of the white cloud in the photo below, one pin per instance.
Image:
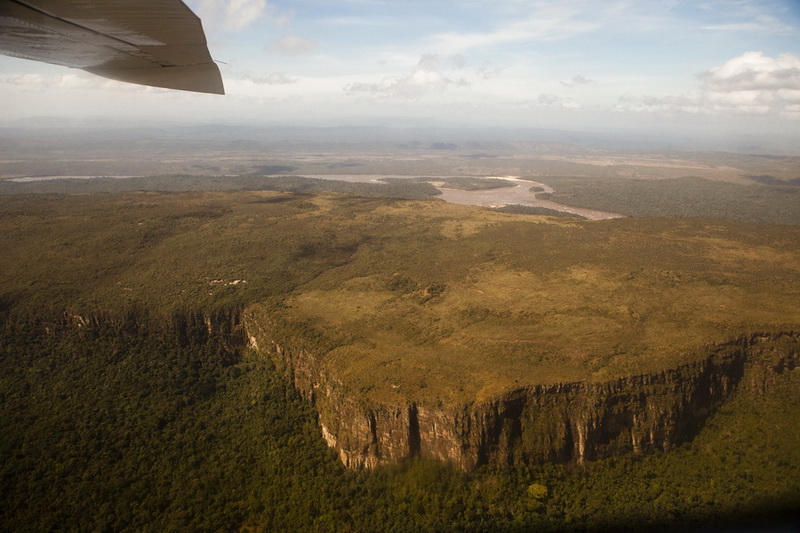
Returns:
(552, 101)
(458, 61)
(242, 13)
(753, 23)
(547, 99)
(236, 15)
(691, 104)
(426, 77)
(749, 84)
(754, 71)
(270, 79)
(576, 80)
(487, 72)
(429, 62)
(548, 21)
(71, 80)
(792, 111)
(291, 44)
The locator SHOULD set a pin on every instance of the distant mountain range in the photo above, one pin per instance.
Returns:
(782, 143)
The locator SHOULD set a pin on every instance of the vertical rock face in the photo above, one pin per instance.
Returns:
(190, 327)
(561, 422)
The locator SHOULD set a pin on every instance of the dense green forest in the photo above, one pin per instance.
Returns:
(123, 410)
(541, 211)
(106, 432)
(392, 188)
(683, 197)
(766, 202)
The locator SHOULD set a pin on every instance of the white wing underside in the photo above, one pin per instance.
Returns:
(149, 42)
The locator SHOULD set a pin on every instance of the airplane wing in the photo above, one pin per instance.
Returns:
(149, 42)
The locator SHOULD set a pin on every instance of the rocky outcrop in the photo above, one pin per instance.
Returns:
(559, 422)
(223, 327)
(575, 421)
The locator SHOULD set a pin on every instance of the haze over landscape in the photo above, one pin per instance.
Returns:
(719, 68)
(490, 265)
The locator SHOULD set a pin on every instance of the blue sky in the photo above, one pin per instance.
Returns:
(711, 66)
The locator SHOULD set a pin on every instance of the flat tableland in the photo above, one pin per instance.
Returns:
(418, 300)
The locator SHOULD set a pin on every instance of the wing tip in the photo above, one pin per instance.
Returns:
(203, 78)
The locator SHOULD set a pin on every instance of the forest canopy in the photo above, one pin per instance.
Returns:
(129, 400)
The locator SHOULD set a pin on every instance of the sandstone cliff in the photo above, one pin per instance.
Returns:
(575, 421)
(189, 326)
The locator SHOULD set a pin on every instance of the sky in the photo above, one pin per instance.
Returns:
(713, 67)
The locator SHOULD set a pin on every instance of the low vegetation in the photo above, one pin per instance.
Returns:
(467, 183)
(116, 417)
(397, 188)
(683, 197)
(135, 434)
(540, 211)
(408, 290)
(510, 301)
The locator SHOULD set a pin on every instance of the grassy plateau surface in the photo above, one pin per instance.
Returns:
(420, 299)
(109, 429)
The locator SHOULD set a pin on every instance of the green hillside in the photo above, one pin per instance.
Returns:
(778, 203)
(129, 402)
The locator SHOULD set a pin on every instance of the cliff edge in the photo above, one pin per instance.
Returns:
(565, 421)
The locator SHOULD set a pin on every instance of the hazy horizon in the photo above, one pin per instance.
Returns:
(708, 70)
(401, 133)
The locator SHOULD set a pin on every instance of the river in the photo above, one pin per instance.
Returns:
(519, 194)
